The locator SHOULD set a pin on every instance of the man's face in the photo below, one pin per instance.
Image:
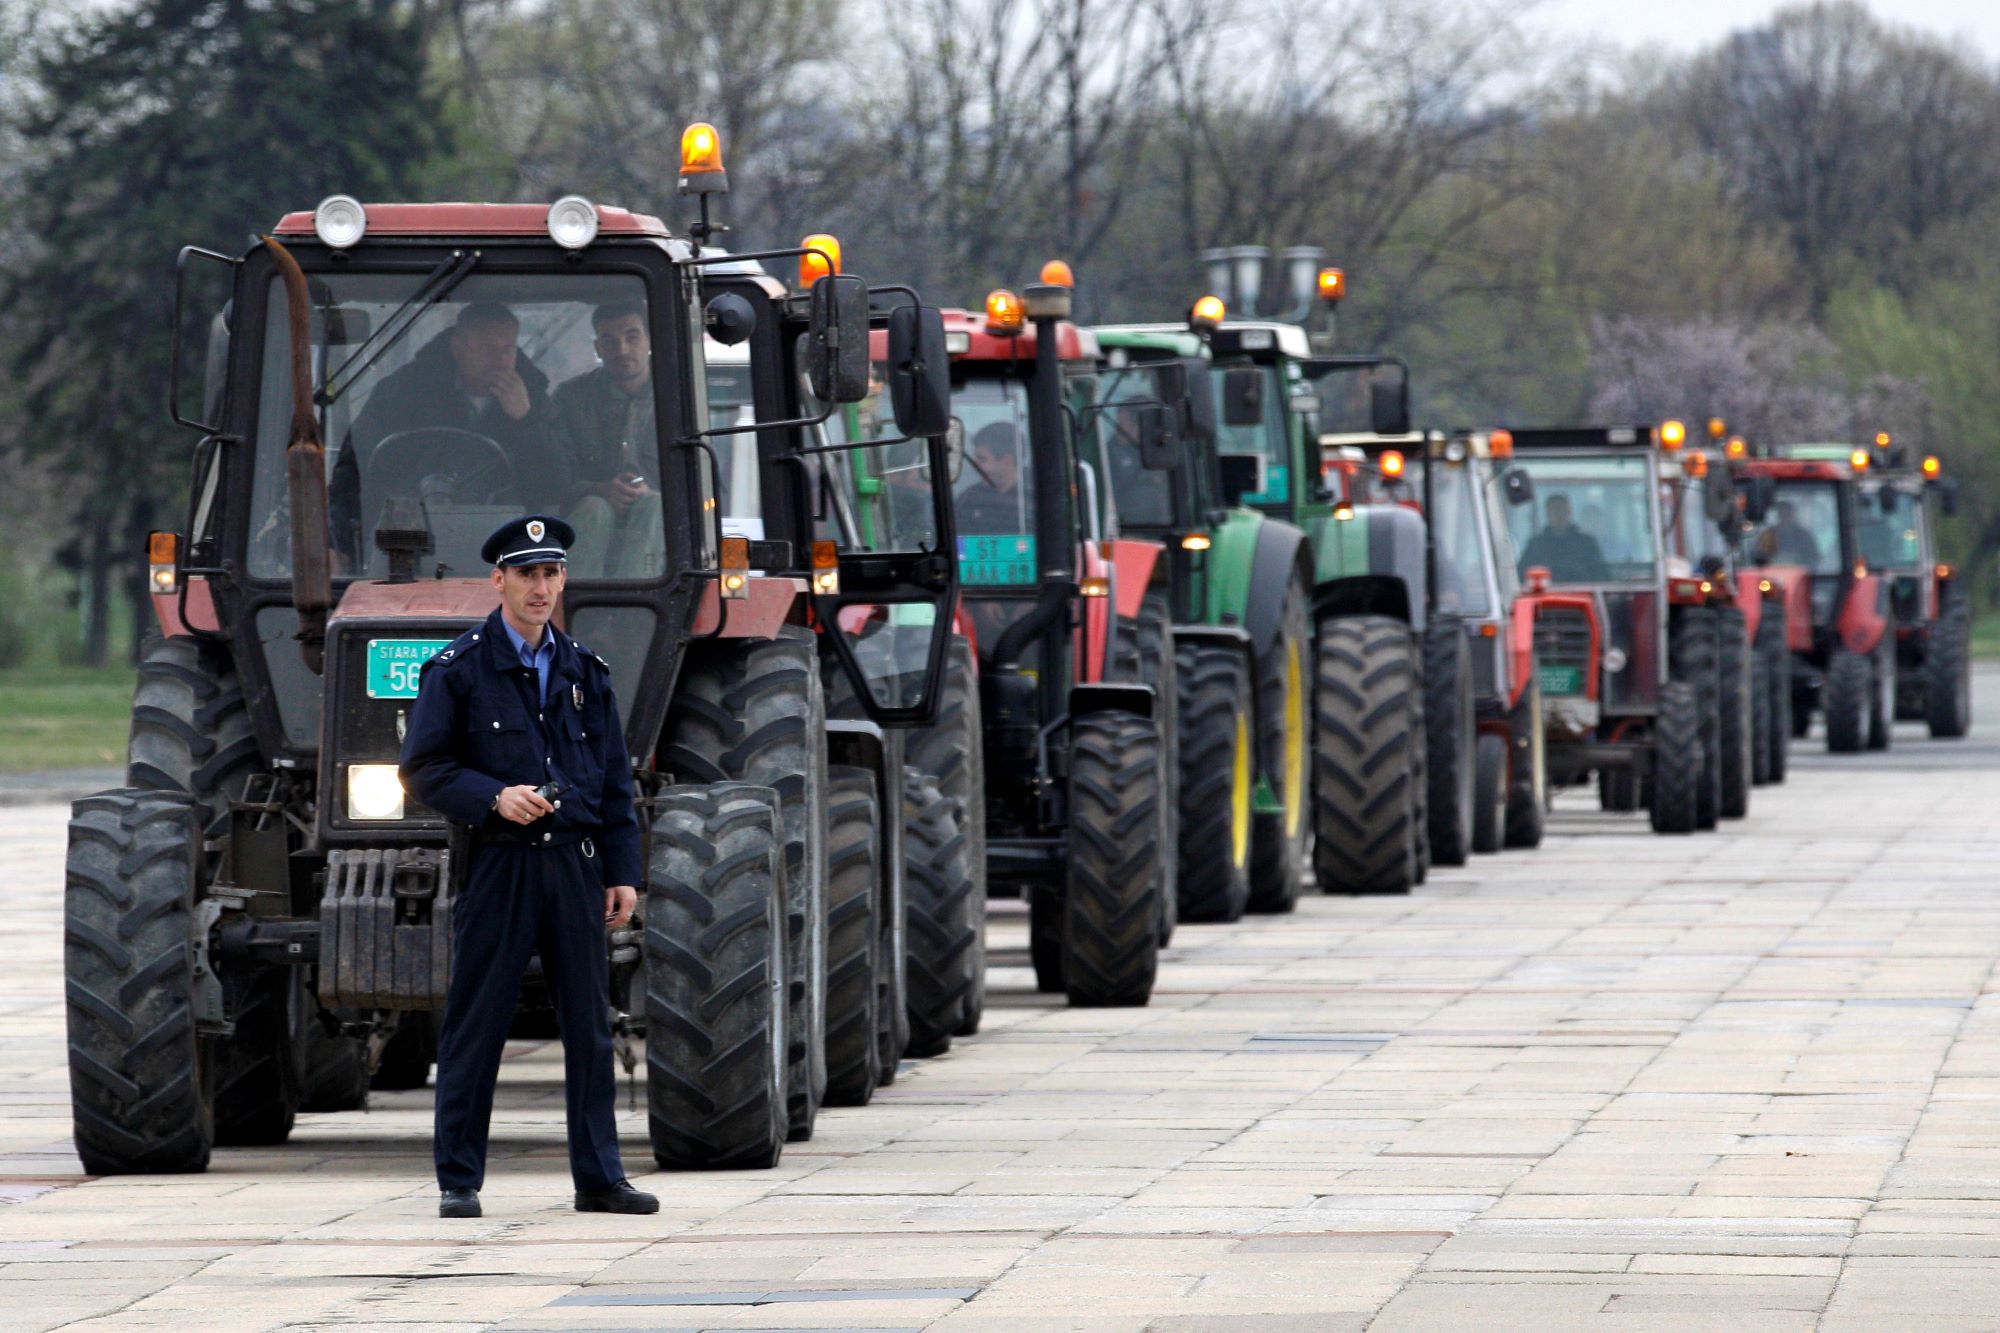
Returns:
(1000, 465)
(529, 592)
(1786, 512)
(626, 350)
(1558, 512)
(484, 350)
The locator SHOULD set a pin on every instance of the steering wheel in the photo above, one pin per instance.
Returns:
(439, 463)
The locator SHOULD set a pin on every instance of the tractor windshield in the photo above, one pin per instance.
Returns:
(1269, 437)
(1461, 567)
(1595, 518)
(993, 494)
(1145, 497)
(1889, 528)
(1802, 527)
(730, 405)
(519, 393)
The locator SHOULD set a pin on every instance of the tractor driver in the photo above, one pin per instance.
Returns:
(992, 504)
(546, 790)
(1570, 554)
(607, 422)
(473, 379)
(1788, 541)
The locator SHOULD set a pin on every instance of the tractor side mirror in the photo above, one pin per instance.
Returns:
(729, 319)
(1242, 475)
(1520, 486)
(1719, 499)
(837, 339)
(1758, 493)
(1243, 396)
(919, 371)
(1159, 442)
(1199, 400)
(1389, 405)
(1947, 494)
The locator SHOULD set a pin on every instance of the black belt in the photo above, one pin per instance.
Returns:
(556, 837)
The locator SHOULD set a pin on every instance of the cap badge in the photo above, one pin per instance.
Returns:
(535, 529)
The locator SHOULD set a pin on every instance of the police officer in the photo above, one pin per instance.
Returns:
(515, 733)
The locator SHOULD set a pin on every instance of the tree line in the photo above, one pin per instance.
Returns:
(1794, 228)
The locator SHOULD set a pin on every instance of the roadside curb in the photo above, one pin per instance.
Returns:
(57, 787)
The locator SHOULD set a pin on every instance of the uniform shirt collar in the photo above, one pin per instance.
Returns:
(527, 656)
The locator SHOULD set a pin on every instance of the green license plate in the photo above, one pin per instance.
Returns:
(1561, 680)
(394, 664)
(1007, 558)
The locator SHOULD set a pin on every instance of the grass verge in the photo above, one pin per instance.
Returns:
(64, 717)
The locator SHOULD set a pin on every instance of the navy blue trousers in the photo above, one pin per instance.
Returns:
(520, 900)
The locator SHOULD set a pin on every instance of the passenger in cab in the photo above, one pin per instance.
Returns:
(1570, 554)
(607, 424)
(1788, 541)
(467, 421)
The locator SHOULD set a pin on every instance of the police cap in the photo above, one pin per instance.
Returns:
(533, 539)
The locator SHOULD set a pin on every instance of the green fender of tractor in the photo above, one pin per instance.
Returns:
(1371, 562)
(1253, 557)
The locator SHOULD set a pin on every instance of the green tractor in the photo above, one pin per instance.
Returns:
(1232, 578)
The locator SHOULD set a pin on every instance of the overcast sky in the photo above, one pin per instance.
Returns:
(1685, 25)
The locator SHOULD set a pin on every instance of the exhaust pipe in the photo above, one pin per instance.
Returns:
(305, 475)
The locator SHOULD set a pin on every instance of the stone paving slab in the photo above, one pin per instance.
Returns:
(1741, 1080)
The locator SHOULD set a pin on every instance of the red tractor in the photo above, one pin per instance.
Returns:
(1079, 774)
(1881, 627)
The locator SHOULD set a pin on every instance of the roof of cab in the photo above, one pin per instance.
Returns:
(1072, 343)
(478, 220)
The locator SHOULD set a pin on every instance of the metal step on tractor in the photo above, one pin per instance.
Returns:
(1230, 570)
(1076, 683)
(1629, 652)
(1465, 483)
(1705, 531)
(260, 920)
(1882, 626)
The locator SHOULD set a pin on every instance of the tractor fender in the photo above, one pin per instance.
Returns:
(857, 742)
(1278, 560)
(1223, 636)
(962, 626)
(1864, 616)
(1101, 698)
(1750, 598)
(1093, 646)
(188, 610)
(1372, 562)
(1134, 564)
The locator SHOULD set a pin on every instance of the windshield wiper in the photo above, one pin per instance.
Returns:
(437, 285)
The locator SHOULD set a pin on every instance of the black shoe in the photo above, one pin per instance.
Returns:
(459, 1203)
(620, 1198)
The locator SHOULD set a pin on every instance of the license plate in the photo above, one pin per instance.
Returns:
(1005, 558)
(1562, 680)
(394, 665)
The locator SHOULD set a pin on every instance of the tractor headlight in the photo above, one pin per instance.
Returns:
(1614, 659)
(572, 222)
(374, 791)
(340, 221)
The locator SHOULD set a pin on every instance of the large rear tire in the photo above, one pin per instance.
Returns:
(1364, 756)
(854, 983)
(1111, 938)
(260, 1068)
(191, 729)
(1882, 696)
(1694, 652)
(1761, 717)
(945, 949)
(1284, 714)
(951, 750)
(1677, 766)
(1948, 671)
(1451, 732)
(1733, 708)
(755, 712)
(1617, 791)
(1850, 687)
(714, 980)
(1218, 772)
(141, 1078)
(1774, 638)
(337, 1077)
(1489, 800)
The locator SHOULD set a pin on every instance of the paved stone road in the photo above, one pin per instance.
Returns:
(1746, 1080)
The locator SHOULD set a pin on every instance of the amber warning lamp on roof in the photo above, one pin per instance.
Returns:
(821, 257)
(1738, 446)
(1933, 467)
(1332, 285)
(1500, 443)
(1673, 434)
(1004, 314)
(1207, 315)
(1057, 274)
(1717, 428)
(1392, 464)
(701, 160)
(1858, 460)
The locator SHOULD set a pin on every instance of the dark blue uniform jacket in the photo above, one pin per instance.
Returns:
(477, 728)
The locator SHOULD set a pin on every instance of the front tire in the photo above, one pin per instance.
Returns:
(1733, 709)
(854, 982)
(1528, 774)
(141, 1080)
(1284, 713)
(946, 950)
(1489, 802)
(1694, 650)
(1451, 733)
(1948, 672)
(1364, 757)
(1850, 687)
(952, 751)
(1218, 773)
(1677, 762)
(715, 980)
(1143, 653)
(1111, 939)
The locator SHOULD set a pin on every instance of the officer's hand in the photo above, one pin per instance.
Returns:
(523, 805)
(618, 904)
